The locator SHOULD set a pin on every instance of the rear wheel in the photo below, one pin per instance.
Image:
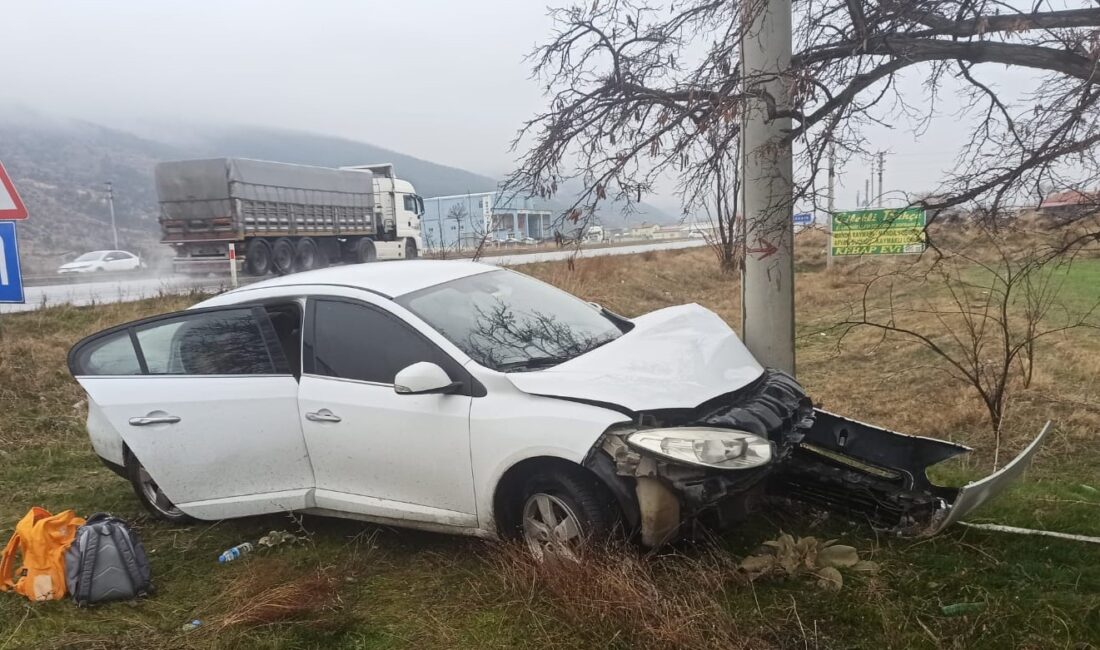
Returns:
(150, 494)
(563, 511)
(257, 257)
(364, 251)
(282, 256)
(306, 256)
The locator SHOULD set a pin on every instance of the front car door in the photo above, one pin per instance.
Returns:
(376, 452)
(206, 401)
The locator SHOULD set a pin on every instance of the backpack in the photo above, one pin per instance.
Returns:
(106, 562)
(43, 539)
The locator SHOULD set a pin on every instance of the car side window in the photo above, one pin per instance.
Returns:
(214, 343)
(112, 355)
(354, 341)
(237, 341)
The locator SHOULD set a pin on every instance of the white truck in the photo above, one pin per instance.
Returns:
(284, 218)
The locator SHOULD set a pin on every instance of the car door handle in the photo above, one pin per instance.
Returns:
(154, 419)
(324, 415)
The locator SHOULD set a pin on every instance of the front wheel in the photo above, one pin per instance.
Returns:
(410, 249)
(150, 494)
(564, 511)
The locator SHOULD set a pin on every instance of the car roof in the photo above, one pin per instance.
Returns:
(391, 279)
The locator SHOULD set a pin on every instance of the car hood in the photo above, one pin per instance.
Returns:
(678, 357)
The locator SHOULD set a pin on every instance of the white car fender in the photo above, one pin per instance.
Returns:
(508, 426)
(105, 440)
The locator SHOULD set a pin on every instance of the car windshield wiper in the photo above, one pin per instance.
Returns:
(533, 363)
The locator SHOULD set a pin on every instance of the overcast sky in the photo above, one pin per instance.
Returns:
(438, 79)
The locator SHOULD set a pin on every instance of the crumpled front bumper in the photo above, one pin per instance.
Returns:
(865, 472)
(880, 475)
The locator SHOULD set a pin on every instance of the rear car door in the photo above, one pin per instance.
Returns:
(114, 261)
(206, 401)
(374, 451)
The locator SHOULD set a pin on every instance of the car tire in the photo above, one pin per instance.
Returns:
(410, 249)
(306, 255)
(562, 511)
(257, 257)
(148, 492)
(282, 256)
(365, 251)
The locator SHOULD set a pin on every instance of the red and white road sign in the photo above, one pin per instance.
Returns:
(11, 206)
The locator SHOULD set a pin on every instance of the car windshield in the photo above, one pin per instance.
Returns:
(511, 322)
(90, 257)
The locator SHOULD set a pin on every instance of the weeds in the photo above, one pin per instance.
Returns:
(617, 595)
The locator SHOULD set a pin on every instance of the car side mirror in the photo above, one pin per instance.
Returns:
(423, 378)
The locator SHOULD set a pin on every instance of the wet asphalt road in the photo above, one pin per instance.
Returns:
(125, 289)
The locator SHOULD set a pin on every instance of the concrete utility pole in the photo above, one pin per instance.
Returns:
(767, 282)
(111, 207)
(867, 185)
(832, 195)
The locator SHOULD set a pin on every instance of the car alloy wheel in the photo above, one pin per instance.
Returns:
(155, 497)
(551, 527)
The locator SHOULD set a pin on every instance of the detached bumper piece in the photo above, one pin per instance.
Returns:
(877, 475)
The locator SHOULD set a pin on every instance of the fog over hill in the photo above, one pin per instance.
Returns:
(60, 167)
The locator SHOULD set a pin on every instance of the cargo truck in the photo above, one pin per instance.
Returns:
(283, 218)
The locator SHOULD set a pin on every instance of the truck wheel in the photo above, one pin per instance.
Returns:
(282, 256)
(257, 257)
(364, 251)
(305, 255)
(410, 249)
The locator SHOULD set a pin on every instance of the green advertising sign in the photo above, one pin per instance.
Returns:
(878, 232)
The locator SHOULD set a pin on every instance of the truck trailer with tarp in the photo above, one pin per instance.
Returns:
(282, 217)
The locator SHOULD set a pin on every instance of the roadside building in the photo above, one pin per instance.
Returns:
(462, 221)
(1070, 204)
(644, 231)
(670, 232)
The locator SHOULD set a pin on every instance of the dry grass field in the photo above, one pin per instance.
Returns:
(353, 585)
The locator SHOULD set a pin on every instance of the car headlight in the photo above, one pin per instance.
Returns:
(719, 448)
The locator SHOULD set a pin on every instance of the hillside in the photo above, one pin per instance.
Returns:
(60, 167)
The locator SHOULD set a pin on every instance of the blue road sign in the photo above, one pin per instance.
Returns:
(11, 279)
(803, 218)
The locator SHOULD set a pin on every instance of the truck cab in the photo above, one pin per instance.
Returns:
(400, 205)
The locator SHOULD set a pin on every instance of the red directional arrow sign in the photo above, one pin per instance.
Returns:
(11, 206)
(764, 247)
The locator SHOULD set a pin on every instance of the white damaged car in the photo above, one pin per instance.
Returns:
(460, 397)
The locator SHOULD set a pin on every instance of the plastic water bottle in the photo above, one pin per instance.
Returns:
(235, 553)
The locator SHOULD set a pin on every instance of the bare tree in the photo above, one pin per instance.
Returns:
(724, 184)
(982, 307)
(636, 86)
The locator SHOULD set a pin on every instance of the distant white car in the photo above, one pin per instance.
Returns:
(459, 397)
(102, 261)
